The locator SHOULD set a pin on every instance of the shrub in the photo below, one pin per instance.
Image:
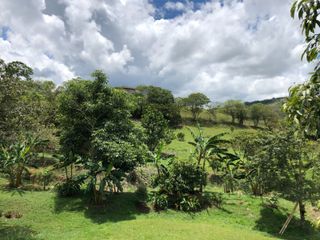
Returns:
(179, 187)
(160, 201)
(181, 178)
(272, 200)
(45, 177)
(142, 175)
(190, 203)
(69, 188)
(180, 136)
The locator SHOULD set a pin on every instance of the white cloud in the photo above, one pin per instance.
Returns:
(248, 50)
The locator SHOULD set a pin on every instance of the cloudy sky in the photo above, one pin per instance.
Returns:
(227, 49)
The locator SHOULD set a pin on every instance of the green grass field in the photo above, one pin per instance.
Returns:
(182, 150)
(47, 217)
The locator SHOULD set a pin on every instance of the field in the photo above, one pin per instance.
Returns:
(46, 216)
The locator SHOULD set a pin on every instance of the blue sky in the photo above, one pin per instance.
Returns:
(4, 32)
(166, 13)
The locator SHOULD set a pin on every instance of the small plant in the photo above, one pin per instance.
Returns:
(160, 201)
(68, 188)
(180, 136)
(45, 177)
(272, 200)
(190, 204)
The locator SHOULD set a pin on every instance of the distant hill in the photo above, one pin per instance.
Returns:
(267, 101)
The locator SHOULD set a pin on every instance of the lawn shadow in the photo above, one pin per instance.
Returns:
(271, 221)
(10, 232)
(117, 207)
(13, 191)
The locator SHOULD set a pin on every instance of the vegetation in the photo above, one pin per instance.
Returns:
(106, 159)
(196, 102)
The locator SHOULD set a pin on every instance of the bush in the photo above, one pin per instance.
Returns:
(45, 177)
(180, 136)
(179, 187)
(69, 188)
(272, 200)
(142, 175)
(181, 178)
(190, 203)
(160, 201)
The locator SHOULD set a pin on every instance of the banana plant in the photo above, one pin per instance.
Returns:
(16, 158)
(207, 148)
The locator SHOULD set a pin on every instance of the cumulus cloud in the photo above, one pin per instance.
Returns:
(226, 49)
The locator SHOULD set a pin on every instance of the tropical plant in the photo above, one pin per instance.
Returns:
(207, 148)
(16, 158)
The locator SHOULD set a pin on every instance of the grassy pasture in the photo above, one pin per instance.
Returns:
(47, 217)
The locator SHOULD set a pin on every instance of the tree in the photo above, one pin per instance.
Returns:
(212, 110)
(256, 168)
(155, 128)
(162, 100)
(196, 102)
(96, 131)
(256, 113)
(235, 109)
(280, 162)
(116, 151)
(241, 113)
(290, 157)
(13, 77)
(302, 105)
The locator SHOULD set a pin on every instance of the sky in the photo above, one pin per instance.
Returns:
(226, 49)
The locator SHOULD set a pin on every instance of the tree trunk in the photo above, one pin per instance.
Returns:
(19, 177)
(12, 180)
(302, 210)
(203, 177)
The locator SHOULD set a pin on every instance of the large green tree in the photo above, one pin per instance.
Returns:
(256, 113)
(302, 106)
(237, 110)
(94, 121)
(196, 102)
(13, 78)
(160, 99)
(155, 128)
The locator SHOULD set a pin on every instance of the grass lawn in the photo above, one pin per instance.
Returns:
(47, 217)
(183, 150)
